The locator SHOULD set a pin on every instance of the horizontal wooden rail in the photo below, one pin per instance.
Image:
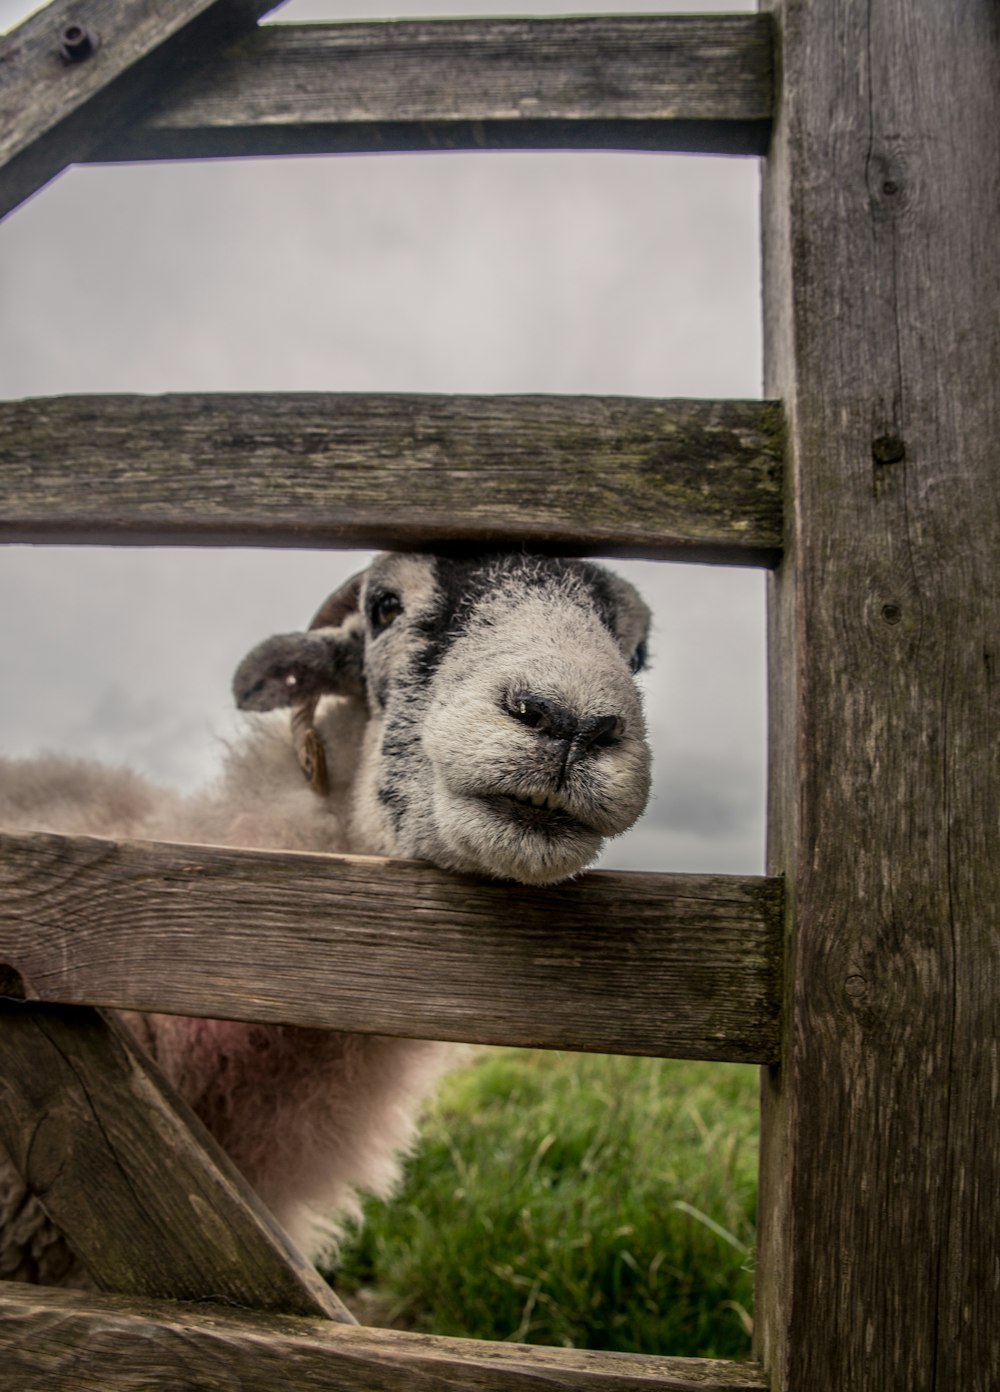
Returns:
(660, 82)
(51, 1341)
(694, 480)
(666, 965)
(131, 1177)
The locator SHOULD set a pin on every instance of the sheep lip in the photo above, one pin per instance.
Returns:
(551, 801)
(539, 812)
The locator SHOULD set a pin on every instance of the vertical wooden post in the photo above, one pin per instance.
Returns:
(881, 1157)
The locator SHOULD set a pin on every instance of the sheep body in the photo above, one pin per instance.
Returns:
(478, 714)
(309, 1116)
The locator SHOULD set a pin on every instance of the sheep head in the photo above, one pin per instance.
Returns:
(505, 733)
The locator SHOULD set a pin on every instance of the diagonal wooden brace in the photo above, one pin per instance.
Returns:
(122, 1166)
(79, 70)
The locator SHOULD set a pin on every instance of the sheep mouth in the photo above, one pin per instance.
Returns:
(544, 812)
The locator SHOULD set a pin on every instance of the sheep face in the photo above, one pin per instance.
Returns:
(505, 733)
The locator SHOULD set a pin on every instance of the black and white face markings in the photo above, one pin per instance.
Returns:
(510, 734)
(504, 731)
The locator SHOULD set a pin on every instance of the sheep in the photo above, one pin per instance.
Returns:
(479, 713)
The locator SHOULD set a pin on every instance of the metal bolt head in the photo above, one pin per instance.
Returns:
(77, 43)
(888, 449)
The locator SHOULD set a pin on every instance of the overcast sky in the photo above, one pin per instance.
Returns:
(577, 273)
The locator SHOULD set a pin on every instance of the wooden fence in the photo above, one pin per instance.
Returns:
(864, 971)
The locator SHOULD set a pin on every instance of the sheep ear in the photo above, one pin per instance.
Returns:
(296, 669)
(293, 669)
(341, 604)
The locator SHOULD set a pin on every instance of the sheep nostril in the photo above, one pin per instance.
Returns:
(547, 717)
(559, 723)
(601, 731)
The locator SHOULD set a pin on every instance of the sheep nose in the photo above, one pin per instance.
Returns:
(578, 733)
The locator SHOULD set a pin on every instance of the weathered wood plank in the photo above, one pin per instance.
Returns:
(131, 1177)
(881, 1158)
(699, 480)
(55, 106)
(61, 1341)
(613, 962)
(663, 82)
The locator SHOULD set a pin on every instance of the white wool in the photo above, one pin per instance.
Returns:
(455, 728)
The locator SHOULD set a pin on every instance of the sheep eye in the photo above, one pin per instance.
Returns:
(638, 659)
(385, 610)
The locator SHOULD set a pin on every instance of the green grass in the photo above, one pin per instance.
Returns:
(579, 1200)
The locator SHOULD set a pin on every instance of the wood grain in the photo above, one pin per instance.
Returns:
(131, 1177)
(631, 963)
(881, 1158)
(53, 112)
(666, 82)
(59, 1341)
(697, 480)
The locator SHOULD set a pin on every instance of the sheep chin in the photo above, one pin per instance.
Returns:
(478, 835)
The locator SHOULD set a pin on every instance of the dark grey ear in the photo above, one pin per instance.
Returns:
(294, 668)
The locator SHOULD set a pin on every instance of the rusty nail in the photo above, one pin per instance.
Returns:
(77, 42)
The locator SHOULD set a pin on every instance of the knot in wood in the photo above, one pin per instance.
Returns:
(888, 185)
(11, 982)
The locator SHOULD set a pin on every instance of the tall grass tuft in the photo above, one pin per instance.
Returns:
(579, 1200)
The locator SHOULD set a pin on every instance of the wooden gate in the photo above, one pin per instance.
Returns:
(864, 972)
